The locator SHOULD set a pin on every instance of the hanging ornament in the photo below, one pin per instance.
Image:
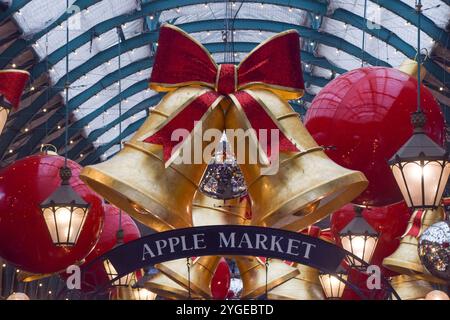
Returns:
(220, 283)
(364, 115)
(25, 239)
(437, 295)
(106, 242)
(434, 249)
(223, 179)
(12, 83)
(389, 222)
(18, 296)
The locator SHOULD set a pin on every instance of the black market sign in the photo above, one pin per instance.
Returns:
(223, 240)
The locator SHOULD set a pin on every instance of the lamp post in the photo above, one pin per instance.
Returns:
(332, 286)
(64, 212)
(359, 238)
(420, 166)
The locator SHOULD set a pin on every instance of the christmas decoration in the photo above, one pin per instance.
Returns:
(107, 241)
(364, 117)
(406, 260)
(223, 179)
(25, 239)
(12, 84)
(220, 283)
(410, 288)
(389, 222)
(136, 181)
(434, 249)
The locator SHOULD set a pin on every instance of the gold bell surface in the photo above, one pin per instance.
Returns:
(165, 287)
(253, 275)
(201, 274)
(405, 260)
(305, 286)
(136, 179)
(410, 288)
(207, 211)
(307, 187)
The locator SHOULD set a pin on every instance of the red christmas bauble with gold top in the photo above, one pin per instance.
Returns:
(364, 115)
(25, 240)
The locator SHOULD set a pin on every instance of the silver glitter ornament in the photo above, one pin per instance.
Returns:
(434, 249)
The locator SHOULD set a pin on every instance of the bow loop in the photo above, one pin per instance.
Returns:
(12, 83)
(182, 61)
(274, 65)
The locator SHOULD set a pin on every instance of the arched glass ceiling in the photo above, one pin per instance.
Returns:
(33, 37)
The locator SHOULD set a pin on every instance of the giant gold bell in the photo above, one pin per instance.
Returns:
(253, 275)
(305, 286)
(410, 288)
(165, 287)
(205, 211)
(136, 179)
(307, 186)
(199, 277)
(405, 260)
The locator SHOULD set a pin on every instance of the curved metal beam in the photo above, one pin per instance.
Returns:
(84, 143)
(392, 39)
(22, 44)
(99, 151)
(410, 14)
(145, 10)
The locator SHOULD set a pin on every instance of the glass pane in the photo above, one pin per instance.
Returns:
(3, 117)
(63, 220)
(413, 172)
(50, 222)
(401, 183)
(78, 218)
(443, 183)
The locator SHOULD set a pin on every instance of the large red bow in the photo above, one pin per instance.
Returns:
(182, 61)
(12, 83)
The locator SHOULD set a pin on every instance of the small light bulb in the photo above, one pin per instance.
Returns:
(10, 150)
(152, 17)
(14, 65)
(290, 9)
(441, 88)
(45, 109)
(59, 127)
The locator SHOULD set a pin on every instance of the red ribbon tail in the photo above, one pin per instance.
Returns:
(173, 133)
(266, 130)
(416, 226)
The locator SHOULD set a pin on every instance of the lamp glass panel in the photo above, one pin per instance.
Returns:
(361, 246)
(4, 112)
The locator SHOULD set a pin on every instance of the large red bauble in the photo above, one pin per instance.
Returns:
(24, 237)
(220, 283)
(389, 221)
(365, 115)
(107, 241)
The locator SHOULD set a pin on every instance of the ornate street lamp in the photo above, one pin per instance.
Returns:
(65, 212)
(333, 287)
(420, 167)
(359, 238)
